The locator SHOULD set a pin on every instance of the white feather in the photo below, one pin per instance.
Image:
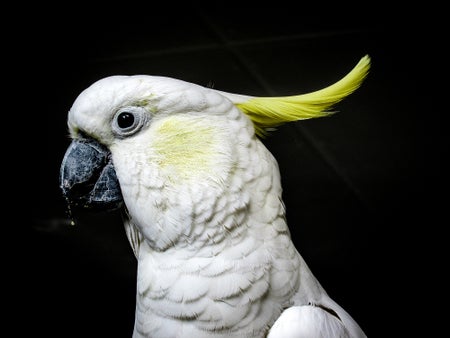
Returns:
(308, 321)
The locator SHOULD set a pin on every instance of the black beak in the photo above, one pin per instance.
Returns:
(88, 178)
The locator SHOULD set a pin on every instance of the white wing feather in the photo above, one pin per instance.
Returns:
(308, 321)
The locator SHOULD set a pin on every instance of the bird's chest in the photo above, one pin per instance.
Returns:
(204, 297)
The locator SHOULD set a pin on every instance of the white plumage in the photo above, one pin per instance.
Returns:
(203, 212)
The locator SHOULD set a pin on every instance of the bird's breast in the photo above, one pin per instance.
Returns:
(209, 292)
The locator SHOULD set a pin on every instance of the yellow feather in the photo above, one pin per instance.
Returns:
(270, 112)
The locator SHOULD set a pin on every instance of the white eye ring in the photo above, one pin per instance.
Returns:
(129, 120)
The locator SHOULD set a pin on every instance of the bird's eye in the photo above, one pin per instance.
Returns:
(127, 121)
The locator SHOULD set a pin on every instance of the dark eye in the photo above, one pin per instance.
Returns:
(129, 120)
(125, 120)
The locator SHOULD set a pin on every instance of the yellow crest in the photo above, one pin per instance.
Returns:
(270, 112)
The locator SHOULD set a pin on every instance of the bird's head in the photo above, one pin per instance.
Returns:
(169, 129)
(134, 134)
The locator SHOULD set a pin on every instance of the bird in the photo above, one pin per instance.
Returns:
(200, 196)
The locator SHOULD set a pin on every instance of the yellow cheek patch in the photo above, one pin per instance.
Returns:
(185, 147)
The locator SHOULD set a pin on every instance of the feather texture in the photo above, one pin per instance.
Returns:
(270, 112)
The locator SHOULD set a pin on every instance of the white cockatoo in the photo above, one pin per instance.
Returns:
(202, 204)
